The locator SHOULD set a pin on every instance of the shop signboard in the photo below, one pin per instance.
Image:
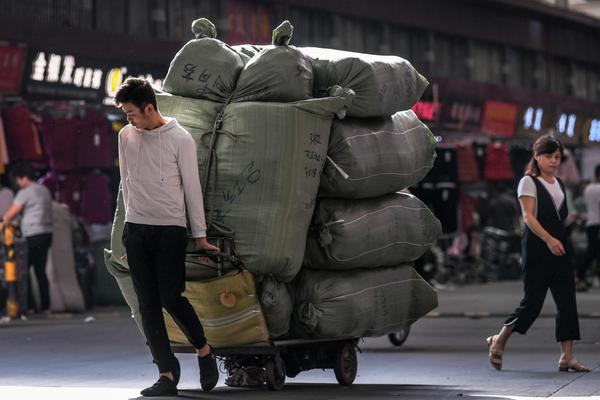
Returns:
(53, 75)
(591, 131)
(460, 115)
(534, 120)
(12, 62)
(427, 111)
(569, 127)
(499, 118)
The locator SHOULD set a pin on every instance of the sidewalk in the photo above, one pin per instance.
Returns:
(498, 299)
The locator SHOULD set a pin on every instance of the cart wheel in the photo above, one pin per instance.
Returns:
(345, 363)
(399, 337)
(275, 379)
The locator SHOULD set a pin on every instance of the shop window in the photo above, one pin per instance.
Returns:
(560, 76)
(487, 62)
(450, 56)
(580, 80)
(420, 51)
(400, 42)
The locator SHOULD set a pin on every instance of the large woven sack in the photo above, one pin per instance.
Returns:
(265, 173)
(335, 304)
(387, 230)
(383, 84)
(279, 73)
(370, 157)
(205, 68)
(228, 310)
(277, 304)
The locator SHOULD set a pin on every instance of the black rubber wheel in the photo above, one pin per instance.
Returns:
(345, 363)
(275, 379)
(399, 337)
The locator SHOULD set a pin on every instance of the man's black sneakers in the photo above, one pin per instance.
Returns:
(209, 373)
(163, 387)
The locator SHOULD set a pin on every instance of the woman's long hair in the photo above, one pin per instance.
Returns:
(546, 144)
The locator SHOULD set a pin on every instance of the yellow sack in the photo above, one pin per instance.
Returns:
(228, 310)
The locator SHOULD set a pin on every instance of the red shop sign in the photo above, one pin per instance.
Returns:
(426, 111)
(12, 61)
(499, 118)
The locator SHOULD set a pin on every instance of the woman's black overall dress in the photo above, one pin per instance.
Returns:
(542, 271)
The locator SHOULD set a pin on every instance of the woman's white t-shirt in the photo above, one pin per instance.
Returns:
(527, 188)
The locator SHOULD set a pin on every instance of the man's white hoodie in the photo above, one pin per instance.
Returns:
(159, 168)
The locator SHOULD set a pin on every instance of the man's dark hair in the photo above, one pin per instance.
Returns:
(138, 92)
(597, 172)
(23, 169)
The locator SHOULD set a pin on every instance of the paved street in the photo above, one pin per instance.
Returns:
(444, 357)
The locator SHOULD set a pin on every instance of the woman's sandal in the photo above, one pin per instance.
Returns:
(572, 365)
(495, 354)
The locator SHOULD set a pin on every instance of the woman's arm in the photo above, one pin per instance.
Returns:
(528, 207)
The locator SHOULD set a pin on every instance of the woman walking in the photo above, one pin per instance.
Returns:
(546, 264)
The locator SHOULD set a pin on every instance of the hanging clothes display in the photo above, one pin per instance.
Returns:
(96, 142)
(22, 140)
(445, 167)
(96, 199)
(568, 171)
(60, 140)
(3, 150)
(467, 164)
(519, 158)
(442, 199)
(64, 189)
(497, 162)
(480, 150)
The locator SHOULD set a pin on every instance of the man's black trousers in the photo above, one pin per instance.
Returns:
(156, 257)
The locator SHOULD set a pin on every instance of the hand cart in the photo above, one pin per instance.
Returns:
(271, 361)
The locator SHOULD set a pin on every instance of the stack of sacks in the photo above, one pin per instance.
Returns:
(262, 144)
(356, 279)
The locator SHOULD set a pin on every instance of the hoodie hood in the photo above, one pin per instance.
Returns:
(171, 123)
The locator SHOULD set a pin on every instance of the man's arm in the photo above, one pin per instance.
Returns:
(123, 166)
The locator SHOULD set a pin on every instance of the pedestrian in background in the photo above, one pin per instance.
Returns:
(591, 197)
(34, 202)
(159, 178)
(546, 264)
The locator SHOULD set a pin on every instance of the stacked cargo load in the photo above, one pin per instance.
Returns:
(303, 194)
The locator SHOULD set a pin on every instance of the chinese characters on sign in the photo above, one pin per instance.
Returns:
(61, 75)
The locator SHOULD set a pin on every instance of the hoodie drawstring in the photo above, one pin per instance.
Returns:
(160, 156)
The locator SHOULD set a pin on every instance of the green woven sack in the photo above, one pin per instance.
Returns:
(370, 157)
(336, 304)
(383, 84)
(387, 230)
(264, 174)
(205, 68)
(277, 305)
(280, 73)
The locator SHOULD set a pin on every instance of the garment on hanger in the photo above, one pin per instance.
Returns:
(21, 138)
(60, 140)
(568, 171)
(3, 150)
(519, 158)
(467, 164)
(480, 151)
(96, 199)
(445, 167)
(497, 162)
(96, 143)
(442, 199)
